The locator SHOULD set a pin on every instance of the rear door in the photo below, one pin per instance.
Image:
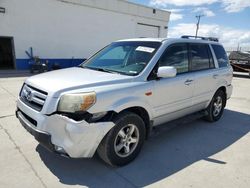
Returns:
(203, 68)
(224, 71)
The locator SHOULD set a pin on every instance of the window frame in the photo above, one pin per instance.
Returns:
(211, 57)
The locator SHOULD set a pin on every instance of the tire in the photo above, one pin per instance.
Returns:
(218, 104)
(114, 148)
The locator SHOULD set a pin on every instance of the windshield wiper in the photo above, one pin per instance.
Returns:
(107, 70)
(101, 69)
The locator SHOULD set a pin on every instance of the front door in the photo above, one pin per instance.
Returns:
(174, 95)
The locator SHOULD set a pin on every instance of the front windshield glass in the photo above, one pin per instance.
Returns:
(128, 58)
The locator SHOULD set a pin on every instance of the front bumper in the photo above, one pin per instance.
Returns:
(42, 137)
(77, 139)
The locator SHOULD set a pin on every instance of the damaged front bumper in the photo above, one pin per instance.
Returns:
(60, 134)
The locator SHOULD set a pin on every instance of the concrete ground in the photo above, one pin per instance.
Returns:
(196, 154)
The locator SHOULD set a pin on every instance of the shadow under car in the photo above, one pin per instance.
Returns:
(165, 153)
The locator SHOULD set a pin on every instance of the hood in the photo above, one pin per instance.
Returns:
(74, 78)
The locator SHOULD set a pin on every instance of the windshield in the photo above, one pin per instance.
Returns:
(128, 58)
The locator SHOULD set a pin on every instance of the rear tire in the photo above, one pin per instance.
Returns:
(123, 142)
(216, 107)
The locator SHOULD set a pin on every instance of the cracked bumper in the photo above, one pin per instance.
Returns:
(77, 139)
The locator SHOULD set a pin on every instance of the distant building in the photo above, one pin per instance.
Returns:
(61, 29)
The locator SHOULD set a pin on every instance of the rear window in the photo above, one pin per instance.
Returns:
(221, 55)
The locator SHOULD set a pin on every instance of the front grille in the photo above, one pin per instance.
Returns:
(34, 98)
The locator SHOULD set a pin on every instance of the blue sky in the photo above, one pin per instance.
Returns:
(228, 20)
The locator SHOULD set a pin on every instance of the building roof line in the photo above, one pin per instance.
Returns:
(146, 6)
(116, 11)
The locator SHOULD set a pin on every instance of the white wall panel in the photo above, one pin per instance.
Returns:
(57, 29)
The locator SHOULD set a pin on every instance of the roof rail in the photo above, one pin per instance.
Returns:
(199, 37)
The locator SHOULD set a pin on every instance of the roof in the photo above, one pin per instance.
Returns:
(169, 40)
(143, 39)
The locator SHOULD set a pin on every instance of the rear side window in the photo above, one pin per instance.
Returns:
(176, 56)
(200, 57)
(221, 55)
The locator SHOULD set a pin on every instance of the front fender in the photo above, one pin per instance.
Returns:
(129, 102)
(124, 96)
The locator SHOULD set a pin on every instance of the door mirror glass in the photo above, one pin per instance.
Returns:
(166, 72)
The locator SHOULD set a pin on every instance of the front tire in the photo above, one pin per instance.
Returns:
(124, 141)
(216, 106)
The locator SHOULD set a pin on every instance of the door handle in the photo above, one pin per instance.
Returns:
(188, 82)
(215, 76)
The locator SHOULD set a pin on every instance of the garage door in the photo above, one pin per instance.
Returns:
(144, 30)
(6, 53)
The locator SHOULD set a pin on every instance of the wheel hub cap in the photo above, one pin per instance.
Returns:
(127, 140)
(217, 106)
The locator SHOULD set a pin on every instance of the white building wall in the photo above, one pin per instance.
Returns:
(66, 28)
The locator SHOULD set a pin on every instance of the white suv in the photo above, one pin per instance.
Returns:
(110, 102)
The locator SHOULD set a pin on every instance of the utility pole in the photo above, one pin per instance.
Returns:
(198, 24)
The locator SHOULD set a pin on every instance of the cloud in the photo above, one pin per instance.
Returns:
(175, 14)
(174, 17)
(228, 5)
(205, 11)
(229, 37)
(175, 10)
(235, 5)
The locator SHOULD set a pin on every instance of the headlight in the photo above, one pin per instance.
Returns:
(76, 102)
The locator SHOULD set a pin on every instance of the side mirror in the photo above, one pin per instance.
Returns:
(166, 72)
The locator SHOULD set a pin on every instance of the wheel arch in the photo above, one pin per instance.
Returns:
(221, 88)
(143, 113)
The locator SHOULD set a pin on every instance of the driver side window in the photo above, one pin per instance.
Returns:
(176, 56)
